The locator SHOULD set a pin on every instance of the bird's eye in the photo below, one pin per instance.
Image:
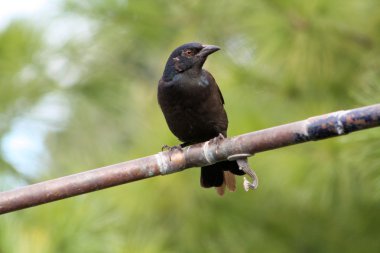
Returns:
(189, 52)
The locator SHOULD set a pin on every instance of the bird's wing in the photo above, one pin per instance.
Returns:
(220, 93)
(212, 80)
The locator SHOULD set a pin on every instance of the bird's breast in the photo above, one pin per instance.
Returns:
(203, 81)
(191, 114)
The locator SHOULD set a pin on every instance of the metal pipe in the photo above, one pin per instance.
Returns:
(312, 129)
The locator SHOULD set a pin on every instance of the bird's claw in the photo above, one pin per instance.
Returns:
(220, 137)
(217, 139)
(244, 166)
(171, 149)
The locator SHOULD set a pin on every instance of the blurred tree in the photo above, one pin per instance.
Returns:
(293, 58)
(22, 77)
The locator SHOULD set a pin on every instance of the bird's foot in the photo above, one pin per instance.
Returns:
(171, 149)
(242, 161)
(220, 136)
(217, 139)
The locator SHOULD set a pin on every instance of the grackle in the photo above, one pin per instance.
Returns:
(192, 104)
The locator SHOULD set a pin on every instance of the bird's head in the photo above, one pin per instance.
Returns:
(190, 56)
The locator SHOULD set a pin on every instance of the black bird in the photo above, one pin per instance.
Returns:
(192, 104)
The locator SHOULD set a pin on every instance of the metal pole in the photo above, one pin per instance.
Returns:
(312, 129)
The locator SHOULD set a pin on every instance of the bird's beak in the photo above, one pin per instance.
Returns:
(207, 50)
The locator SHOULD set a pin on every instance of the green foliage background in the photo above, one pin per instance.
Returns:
(280, 61)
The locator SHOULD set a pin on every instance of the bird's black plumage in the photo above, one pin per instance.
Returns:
(192, 104)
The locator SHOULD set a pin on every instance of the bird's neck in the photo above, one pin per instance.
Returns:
(170, 72)
(190, 80)
(194, 72)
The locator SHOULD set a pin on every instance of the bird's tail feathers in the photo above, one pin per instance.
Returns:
(229, 182)
(221, 176)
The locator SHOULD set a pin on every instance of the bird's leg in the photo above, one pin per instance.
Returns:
(219, 137)
(242, 161)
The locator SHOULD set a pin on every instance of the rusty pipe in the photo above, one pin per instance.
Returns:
(201, 154)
